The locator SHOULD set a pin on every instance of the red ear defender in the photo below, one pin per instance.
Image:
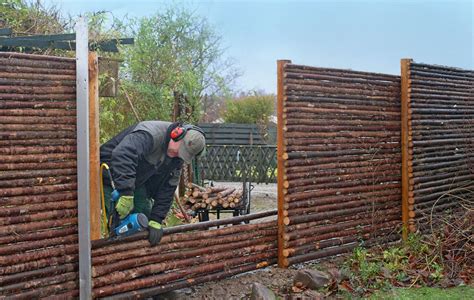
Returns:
(177, 133)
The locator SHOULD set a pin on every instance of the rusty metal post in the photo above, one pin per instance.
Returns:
(83, 168)
(280, 159)
(405, 103)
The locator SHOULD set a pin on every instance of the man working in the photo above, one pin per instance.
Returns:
(145, 162)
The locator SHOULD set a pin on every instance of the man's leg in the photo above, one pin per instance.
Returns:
(141, 203)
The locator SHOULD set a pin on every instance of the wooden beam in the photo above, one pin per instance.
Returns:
(94, 145)
(405, 105)
(280, 161)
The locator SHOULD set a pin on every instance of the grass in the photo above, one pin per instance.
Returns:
(462, 292)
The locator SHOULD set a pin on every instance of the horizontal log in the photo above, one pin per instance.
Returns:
(324, 187)
(29, 90)
(433, 91)
(435, 195)
(40, 225)
(47, 291)
(312, 181)
(20, 191)
(59, 119)
(290, 110)
(340, 191)
(310, 121)
(336, 250)
(339, 205)
(225, 193)
(5, 175)
(36, 82)
(36, 245)
(340, 167)
(159, 279)
(434, 166)
(451, 180)
(34, 70)
(37, 150)
(149, 269)
(58, 250)
(40, 57)
(37, 63)
(33, 208)
(341, 73)
(21, 287)
(393, 194)
(341, 237)
(341, 116)
(419, 81)
(427, 177)
(190, 227)
(330, 154)
(37, 167)
(295, 173)
(373, 157)
(431, 74)
(311, 234)
(39, 216)
(37, 104)
(197, 279)
(43, 272)
(47, 78)
(338, 87)
(31, 97)
(302, 133)
(38, 158)
(329, 214)
(351, 100)
(121, 253)
(454, 184)
(39, 181)
(336, 78)
(20, 135)
(361, 143)
(153, 259)
(36, 236)
(442, 69)
(293, 101)
(38, 264)
(38, 142)
(443, 82)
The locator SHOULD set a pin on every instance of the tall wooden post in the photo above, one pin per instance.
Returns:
(405, 134)
(94, 144)
(280, 160)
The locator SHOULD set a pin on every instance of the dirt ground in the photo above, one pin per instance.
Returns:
(239, 287)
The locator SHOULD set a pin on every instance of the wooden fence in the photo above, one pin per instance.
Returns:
(339, 155)
(439, 171)
(355, 163)
(38, 176)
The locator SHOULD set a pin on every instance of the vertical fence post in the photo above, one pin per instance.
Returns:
(280, 160)
(94, 198)
(83, 183)
(405, 140)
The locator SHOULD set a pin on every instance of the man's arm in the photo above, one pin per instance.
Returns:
(125, 158)
(163, 196)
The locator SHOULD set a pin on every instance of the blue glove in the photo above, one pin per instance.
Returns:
(115, 195)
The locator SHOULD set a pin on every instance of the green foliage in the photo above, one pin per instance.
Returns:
(174, 51)
(31, 17)
(252, 109)
(426, 293)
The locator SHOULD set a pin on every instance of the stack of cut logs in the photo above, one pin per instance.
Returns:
(198, 197)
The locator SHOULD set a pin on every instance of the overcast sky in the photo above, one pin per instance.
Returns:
(371, 35)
